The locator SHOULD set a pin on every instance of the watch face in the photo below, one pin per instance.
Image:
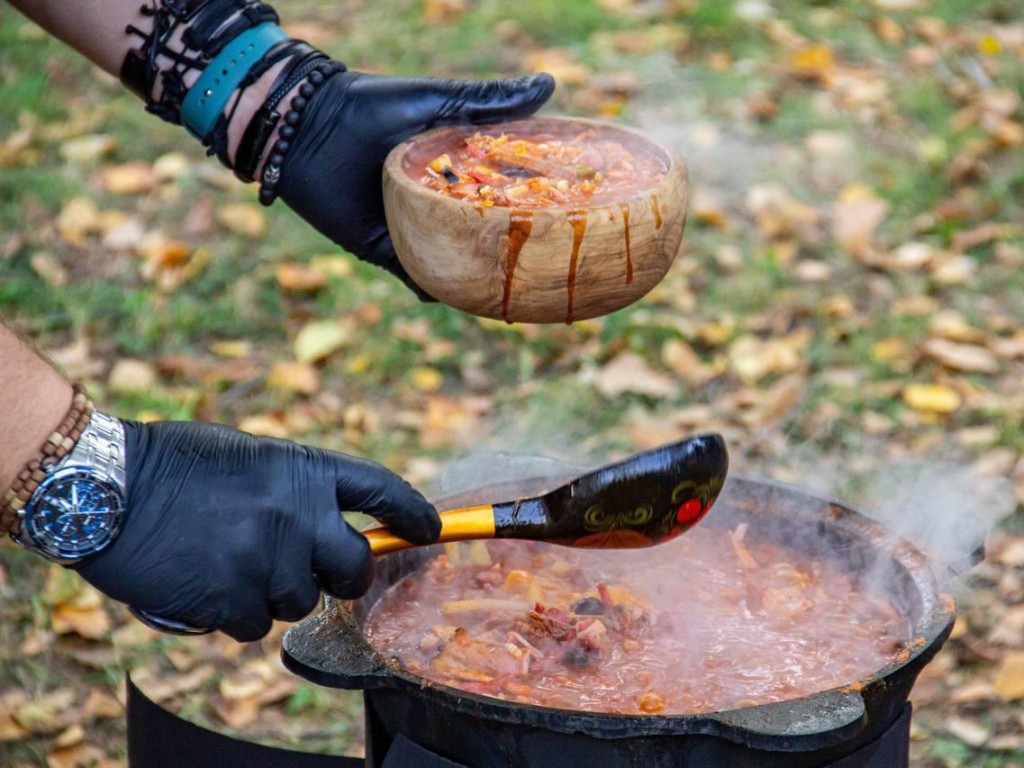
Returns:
(73, 514)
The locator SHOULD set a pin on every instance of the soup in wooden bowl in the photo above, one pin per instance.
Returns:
(543, 220)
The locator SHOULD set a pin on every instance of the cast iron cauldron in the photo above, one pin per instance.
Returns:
(485, 732)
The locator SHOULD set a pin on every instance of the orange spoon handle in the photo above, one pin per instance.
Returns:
(456, 525)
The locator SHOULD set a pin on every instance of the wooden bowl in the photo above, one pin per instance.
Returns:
(542, 264)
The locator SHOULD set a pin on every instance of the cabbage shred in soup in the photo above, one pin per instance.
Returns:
(714, 622)
(499, 169)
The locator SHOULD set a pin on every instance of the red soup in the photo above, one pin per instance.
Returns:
(713, 622)
(494, 168)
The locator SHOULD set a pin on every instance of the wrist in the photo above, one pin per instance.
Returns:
(58, 444)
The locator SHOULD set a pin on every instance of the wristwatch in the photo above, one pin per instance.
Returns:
(79, 506)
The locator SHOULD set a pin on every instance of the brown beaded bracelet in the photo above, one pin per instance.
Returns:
(58, 445)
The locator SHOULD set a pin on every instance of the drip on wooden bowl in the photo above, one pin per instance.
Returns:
(545, 220)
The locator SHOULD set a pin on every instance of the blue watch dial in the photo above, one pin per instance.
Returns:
(74, 514)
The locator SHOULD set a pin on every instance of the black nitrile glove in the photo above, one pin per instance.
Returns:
(332, 173)
(228, 531)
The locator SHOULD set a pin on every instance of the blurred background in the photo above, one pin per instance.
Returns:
(848, 310)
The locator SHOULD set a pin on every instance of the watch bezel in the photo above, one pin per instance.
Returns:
(43, 543)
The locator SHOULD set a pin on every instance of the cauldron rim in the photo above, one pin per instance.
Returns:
(822, 719)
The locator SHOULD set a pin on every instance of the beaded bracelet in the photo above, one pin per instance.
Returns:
(58, 445)
(263, 123)
(217, 141)
(272, 170)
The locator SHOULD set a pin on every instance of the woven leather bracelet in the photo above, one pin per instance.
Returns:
(58, 445)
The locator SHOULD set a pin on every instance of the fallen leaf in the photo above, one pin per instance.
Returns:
(237, 714)
(129, 178)
(49, 268)
(559, 63)
(300, 278)
(78, 756)
(426, 378)
(320, 339)
(73, 735)
(101, 705)
(932, 398)
(10, 730)
(241, 684)
(131, 376)
(437, 11)
(815, 63)
(171, 166)
(87, 149)
(265, 425)
(1008, 677)
(90, 623)
(961, 357)
(1012, 555)
(855, 219)
(78, 218)
(233, 349)
(244, 219)
(752, 359)
(628, 372)
(968, 730)
(294, 377)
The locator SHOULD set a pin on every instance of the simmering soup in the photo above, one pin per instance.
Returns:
(709, 622)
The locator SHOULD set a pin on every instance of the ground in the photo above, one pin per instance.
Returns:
(848, 310)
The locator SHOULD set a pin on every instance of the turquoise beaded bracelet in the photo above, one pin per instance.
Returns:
(208, 96)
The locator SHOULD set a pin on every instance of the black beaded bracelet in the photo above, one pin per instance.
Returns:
(265, 120)
(272, 170)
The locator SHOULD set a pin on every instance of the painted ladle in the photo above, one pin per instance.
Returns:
(641, 501)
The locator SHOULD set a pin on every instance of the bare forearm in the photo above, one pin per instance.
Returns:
(95, 28)
(34, 399)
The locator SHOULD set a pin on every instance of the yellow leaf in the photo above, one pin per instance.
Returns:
(426, 379)
(10, 730)
(320, 338)
(358, 364)
(300, 278)
(129, 179)
(753, 359)
(889, 350)
(78, 219)
(294, 377)
(437, 11)
(1008, 678)
(332, 265)
(989, 45)
(560, 63)
(232, 349)
(171, 166)
(814, 62)
(90, 623)
(265, 425)
(932, 398)
(243, 219)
